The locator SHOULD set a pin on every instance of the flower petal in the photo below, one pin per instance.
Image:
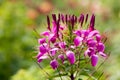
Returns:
(53, 51)
(41, 41)
(54, 64)
(45, 33)
(94, 60)
(71, 57)
(77, 40)
(102, 54)
(61, 56)
(100, 47)
(43, 49)
(77, 32)
(62, 45)
(93, 33)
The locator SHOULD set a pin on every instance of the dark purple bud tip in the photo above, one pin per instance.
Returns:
(54, 17)
(62, 18)
(86, 19)
(81, 19)
(48, 22)
(92, 22)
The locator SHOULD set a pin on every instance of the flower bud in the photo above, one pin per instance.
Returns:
(54, 64)
(94, 60)
(71, 57)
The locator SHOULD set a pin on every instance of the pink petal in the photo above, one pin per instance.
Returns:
(41, 58)
(45, 33)
(52, 38)
(101, 47)
(54, 64)
(93, 33)
(98, 38)
(71, 57)
(77, 41)
(94, 60)
(77, 32)
(62, 45)
(61, 56)
(102, 54)
(41, 41)
(53, 51)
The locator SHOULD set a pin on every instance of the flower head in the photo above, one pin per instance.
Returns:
(66, 40)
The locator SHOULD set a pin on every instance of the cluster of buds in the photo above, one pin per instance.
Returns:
(69, 39)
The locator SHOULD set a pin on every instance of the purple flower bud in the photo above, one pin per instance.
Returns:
(72, 21)
(71, 57)
(41, 41)
(61, 56)
(48, 22)
(77, 41)
(86, 18)
(62, 45)
(75, 19)
(54, 17)
(58, 26)
(94, 60)
(54, 64)
(100, 47)
(92, 23)
(81, 19)
(59, 17)
(66, 18)
(62, 18)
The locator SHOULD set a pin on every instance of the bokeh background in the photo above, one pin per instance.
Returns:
(19, 18)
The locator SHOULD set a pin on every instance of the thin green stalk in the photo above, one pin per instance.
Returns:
(59, 74)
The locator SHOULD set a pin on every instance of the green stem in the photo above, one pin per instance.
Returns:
(59, 74)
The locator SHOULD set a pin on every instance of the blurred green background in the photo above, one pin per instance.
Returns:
(19, 18)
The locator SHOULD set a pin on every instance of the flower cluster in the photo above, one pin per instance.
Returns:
(70, 38)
